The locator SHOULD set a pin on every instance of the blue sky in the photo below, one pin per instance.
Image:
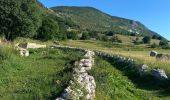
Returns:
(155, 14)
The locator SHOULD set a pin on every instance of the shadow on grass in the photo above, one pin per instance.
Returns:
(64, 76)
(147, 82)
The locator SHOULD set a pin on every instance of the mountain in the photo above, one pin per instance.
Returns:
(88, 18)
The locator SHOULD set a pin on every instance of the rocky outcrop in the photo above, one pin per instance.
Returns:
(82, 85)
(159, 74)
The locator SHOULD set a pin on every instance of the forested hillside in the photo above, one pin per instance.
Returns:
(94, 20)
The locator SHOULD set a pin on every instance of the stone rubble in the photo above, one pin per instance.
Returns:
(86, 83)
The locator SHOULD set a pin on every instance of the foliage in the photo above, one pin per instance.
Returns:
(72, 35)
(164, 44)
(85, 36)
(154, 45)
(91, 19)
(116, 39)
(49, 29)
(29, 18)
(146, 39)
(19, 18)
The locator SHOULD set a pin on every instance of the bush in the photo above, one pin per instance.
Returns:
(85, 36)
(116, 39)
(146, 39)
(164, 44)
(48, 30)
(104, 38)
(72, 35)
(154, 45)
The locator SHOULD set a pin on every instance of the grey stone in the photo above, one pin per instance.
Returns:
(163, 57)
(153, 53)
(159, 74)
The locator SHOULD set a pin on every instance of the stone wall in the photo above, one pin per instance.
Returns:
(83, 77)
(82, 85)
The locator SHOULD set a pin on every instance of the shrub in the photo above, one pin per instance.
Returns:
(72, 35)
(154, 45)
(116, 39)
(104, 38)
(85, 36)
(48, 30)
(164, 44)
(146, 39)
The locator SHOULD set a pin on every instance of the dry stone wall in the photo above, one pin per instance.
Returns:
(87, 82)
(82, 86)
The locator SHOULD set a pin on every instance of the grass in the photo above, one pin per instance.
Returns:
(41, 76)
(113, 84)
(139, 53)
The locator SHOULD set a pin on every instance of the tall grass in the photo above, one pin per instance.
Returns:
(112, 84)
(139, 53)
(41, 76)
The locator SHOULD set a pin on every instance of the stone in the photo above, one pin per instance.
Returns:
(143, 70)
(163, 57)
(23, 52)
(81, 78)
(159, 74)
(30, 45)
(153, 53)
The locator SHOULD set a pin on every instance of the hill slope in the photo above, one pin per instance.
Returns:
(95, 20)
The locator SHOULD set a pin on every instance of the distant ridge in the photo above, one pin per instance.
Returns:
(95, 20)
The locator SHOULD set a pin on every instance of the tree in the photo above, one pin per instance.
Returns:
(19, 18)
(146, 39)
(154, 37)
(48, 30)
(85, 36)
(164, 43)
(72, 35)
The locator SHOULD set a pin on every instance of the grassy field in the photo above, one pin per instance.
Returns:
(139, 53)
(41, 76)
(113, 84)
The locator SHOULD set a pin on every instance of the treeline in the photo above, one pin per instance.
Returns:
(30, 19)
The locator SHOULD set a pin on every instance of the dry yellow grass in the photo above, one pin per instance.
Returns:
(140, 56)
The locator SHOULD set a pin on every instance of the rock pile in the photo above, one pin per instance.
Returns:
(83, 85)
